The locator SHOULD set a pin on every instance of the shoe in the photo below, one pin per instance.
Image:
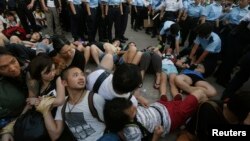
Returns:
(122, 41)
(156, 86)
(164, 98)
(124, 38)
(178, 97)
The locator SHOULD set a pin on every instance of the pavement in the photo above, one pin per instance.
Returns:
(142, 41)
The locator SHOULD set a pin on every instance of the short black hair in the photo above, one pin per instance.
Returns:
(64, 73)
(4, 51)
(174, 29)
(204, 30)
(38, 64)
(114, 116)
(59, 42)
(126, 78)
(239, 104)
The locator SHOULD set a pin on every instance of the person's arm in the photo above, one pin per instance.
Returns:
(103, 10)
(121, 9)
(72, 8)
(44, 7)
(106, 9)
(31, 4)
(54, 127)
(60, 93)
(157, 133)
(177, 46)
(88, 9)
(193, 51)
(202, 57)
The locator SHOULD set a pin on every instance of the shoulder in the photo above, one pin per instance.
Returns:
(132, 132)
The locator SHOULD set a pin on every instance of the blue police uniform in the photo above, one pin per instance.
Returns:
(236, 14)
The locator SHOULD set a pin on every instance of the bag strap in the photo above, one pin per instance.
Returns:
(99, 81)
(159, 113)
(64, 108)
(92, 108)
(144, 130)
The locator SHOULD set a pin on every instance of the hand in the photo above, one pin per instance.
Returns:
(143, 101)
(7, 137)
(30, 6)
(45, 105)
(46, 9)
(33, 101)
(158, 130)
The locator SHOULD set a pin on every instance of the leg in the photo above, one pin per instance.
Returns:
(174, 90)
(107, 62)
(130, 54)
(16, 40)
(49, 17)
(86, 54)
(184, 83)
(209, 90)
(58, 28)
(95, 52)
(144, 62)
(163, 84)
(137, 58)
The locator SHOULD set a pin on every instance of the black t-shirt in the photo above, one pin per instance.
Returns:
(78, 60)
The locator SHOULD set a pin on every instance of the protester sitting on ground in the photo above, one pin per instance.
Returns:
(170, 33)
(76, 111)
(121, 115)
(42, 70)
(13, 89)
(192, 77)
(68, 52)
(151, 61)
(32, 42)
(12, 19)
(125, 80)
(219, 114)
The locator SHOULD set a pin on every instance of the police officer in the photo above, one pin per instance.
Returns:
(114, 11)
(124, 18)
(156, 7)
(76, 19)
(24, 11)
(92, 11)
(213, 11)
(192, 15)
(102, 21)
(139, 14)
(173, 10)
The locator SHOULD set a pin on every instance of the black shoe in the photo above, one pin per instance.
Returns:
(124, 38)
(122, 41)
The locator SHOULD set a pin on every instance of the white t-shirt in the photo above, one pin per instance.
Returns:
(80, 121)
(149, 118)
(106, 89)
(51, 3)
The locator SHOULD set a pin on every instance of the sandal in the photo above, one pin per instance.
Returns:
(156, 86)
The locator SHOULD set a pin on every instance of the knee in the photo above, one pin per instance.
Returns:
(14, 39)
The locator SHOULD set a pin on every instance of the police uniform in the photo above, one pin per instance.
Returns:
(213, 12)
(92, 19)
(172, 8)
(156, 6)
(114, 16)
(139, 14)
(124, 18)
(102, 21)
(213, 45)
(194, 12)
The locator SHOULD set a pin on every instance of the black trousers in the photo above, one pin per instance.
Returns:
(92, 24)
(77, 23)
(238, 41)
(133, 15)
(25, 14)
(114, 17)
(102, 26)
(240, 77)
(188, 26)
(124, 18)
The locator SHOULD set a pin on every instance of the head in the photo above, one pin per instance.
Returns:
(116, 42)
(174, 29)
(117, 113)
(63, 47)
(131, 44)
(239, 104)
(243, 3)
(42, 68)
(73, 78)
(10, 16)
(9, 65)
(197, 1)
(126, 78)
(36, 37)
(204, 30)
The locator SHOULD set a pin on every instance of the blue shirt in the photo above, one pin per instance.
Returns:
(188, 71)
(139, 2)
(236, 14)
(155, 4)
(76, 2)
(114, 2)
(212, 44)
(213, 11)
(93, 3)
(166, 29)
(194, 10)
(186, 3)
